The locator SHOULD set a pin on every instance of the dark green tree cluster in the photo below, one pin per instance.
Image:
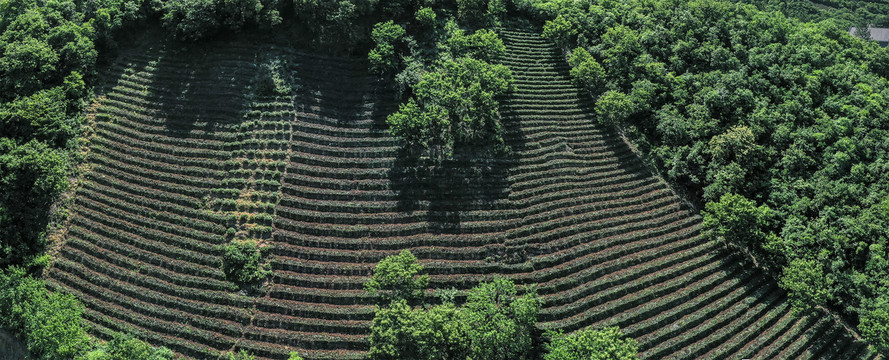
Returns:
(244, 262)
(47, 50)
(458, 104)
(198, 19)
(51, 324)
(777, 128)
(859, 13)
(445, 71)
(496, 322)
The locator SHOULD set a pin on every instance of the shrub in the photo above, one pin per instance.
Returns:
(384, 57)
(587, 72)
(240, 355)
(50, 323)
(398, 277)
(244, 263)
(590, 344)
(455, 104)
(560, 31)
(127, 347)
(274, 77)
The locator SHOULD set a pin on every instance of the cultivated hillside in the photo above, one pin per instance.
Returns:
(186, 157)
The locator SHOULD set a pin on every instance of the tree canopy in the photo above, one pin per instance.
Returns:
(774, 126)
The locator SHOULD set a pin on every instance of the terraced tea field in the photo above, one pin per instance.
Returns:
(185, 158)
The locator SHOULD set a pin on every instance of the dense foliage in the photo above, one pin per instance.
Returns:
(455, 88)
(591, 344)
(48, 49)
(198, 19)
(51, 324)
(849, 12)
(243, 262)
(455, 105)
(495, 322)
(778, 126)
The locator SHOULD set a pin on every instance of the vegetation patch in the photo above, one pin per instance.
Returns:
(244, 262)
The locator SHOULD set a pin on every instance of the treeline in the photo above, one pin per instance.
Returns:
(52, 327)
(441, 61)
(858, 13)
(48, 55)
(496, 322)
(777, 128)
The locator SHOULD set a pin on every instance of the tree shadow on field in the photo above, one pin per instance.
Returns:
(473, 179)
(196, 90)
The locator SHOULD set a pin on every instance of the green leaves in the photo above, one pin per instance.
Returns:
(735, 219)
(501, 321)
(31, 177)
(193, 20)
(50, 322)
(560, 31)
(398, 277)
(458, 103)
(591, 344)
(401, 332)
(385, 56)
(874, 320)
(495, 323)
(587, 72)
(128, 347)
(244, 263)
(807, 284)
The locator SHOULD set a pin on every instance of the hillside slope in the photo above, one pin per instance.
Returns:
(184, 159)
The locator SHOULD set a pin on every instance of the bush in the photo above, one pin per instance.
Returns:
(244, 263)
(587, 72)
(127, 347)
(50, 323)
(457, 104)
(274, 77)
(495, 323)
(560, 31)
(398, 277)
(385, 56)
(240, 355)
(193, 20)
(482, 45)
(590, 344)
(31, 177)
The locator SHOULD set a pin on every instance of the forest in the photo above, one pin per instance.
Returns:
(766, 116)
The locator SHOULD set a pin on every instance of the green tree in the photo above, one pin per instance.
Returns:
(458, 103)
(560, 31)
(482, 45)
(31, 177)
(50, 322)
(401, 332)
(591, 344)
(501, 321)
(874, 325)
(244, 263)
(385, 56)
(587, 72)
(27, 65)
(614, 107)
(736, 220)
(127, 347)
(398, 277)
(806, 283)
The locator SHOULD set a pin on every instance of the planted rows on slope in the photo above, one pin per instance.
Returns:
(185, 160)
